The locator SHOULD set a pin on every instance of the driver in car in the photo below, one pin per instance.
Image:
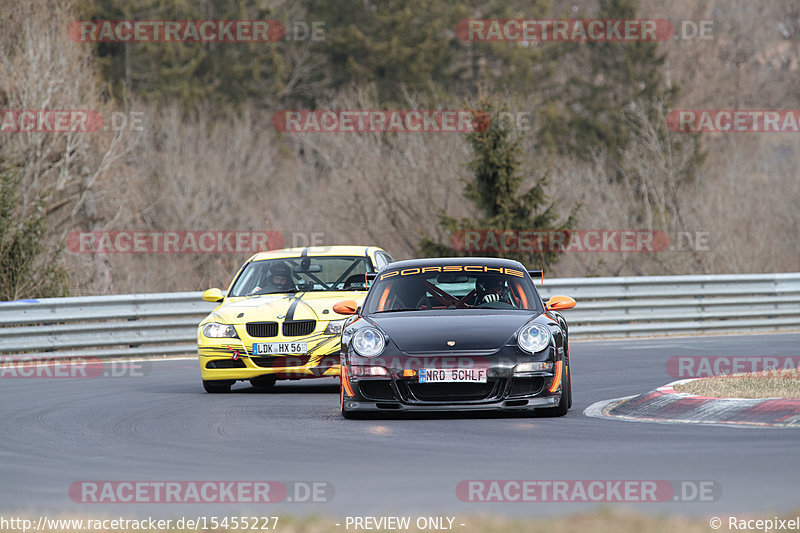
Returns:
(279, 280)
(491, 289)
(408, 294)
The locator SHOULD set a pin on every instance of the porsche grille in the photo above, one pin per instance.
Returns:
(452, 392)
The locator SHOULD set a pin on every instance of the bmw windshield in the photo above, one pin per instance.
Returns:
(306, 274)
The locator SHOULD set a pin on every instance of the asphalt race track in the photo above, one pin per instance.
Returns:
(162, 426)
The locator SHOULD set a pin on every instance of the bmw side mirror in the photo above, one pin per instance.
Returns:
(213, 295)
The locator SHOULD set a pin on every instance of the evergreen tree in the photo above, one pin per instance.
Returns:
(607, 78)
(495, 192)
(616, 102)
(223, 74)
(401, 47)
(28, 269)
(412, 46)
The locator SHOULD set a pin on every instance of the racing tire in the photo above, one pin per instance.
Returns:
(569, 371)
(566, 396)
(263, 383)
(217, 387)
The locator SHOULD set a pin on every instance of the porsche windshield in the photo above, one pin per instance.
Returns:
(306, 274)
(450, 290)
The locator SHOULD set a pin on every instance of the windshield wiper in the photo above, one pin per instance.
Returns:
(270, 292)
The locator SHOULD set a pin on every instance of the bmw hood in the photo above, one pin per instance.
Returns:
(430, 331)
(279, 307)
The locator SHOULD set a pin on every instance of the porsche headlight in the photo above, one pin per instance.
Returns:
(335, 327)
(215, 330)
(533, 338)
(368, 342)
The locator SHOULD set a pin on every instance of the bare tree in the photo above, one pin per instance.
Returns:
(75, 175)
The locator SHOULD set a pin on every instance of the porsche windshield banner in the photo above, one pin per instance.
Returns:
(478, 269)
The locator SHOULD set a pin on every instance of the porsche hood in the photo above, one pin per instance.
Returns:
(470, 330)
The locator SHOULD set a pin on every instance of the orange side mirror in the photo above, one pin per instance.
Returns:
(345, 307)
(559, 303)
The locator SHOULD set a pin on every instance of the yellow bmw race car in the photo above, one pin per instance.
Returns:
(276, 320)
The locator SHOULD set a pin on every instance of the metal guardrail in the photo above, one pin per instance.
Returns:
(679, 305)
(125, 325)
(161, 324)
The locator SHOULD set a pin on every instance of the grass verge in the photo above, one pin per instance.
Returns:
(766, 384)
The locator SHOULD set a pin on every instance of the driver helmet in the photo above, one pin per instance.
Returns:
(281, 276)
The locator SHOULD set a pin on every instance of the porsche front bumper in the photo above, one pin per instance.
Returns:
(504, 405)
(501, 392)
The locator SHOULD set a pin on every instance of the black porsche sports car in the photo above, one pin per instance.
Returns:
(455, 334)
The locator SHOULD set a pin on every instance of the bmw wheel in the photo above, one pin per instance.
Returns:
(217, 387)
(263, 383)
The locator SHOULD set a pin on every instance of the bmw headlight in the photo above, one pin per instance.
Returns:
(533, 338)
(368, 342)
(215, 330)
(335, 327)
